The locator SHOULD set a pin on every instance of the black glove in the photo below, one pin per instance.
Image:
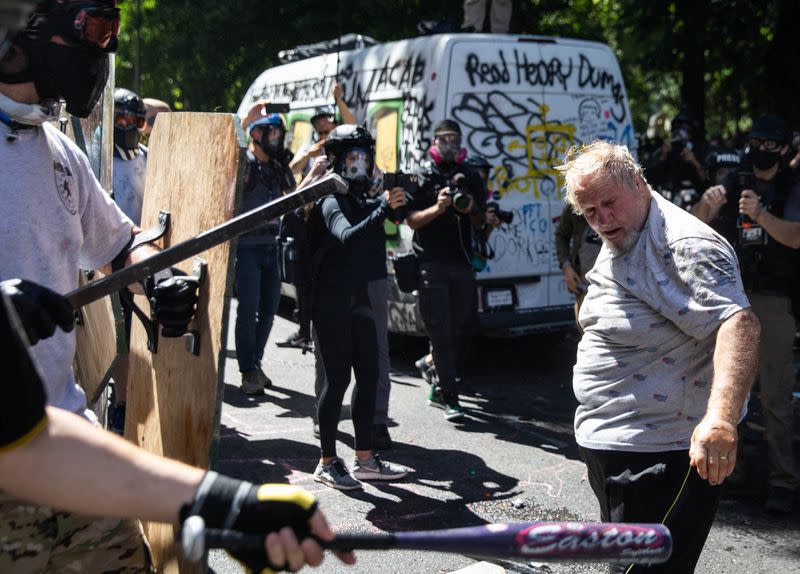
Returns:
(173, 295)
(40, 310)
(233, 504)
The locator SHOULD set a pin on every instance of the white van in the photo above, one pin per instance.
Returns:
(521, 101)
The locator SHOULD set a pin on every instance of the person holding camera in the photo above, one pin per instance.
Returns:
(444, 213)
(674, 170)
(759, 213)
(344, 240)
(257, 276)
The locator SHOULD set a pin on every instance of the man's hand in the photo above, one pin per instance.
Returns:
(337, 91)
(40, 310)
(319, 167)
(173, 296)
(750, 204)
(255, 112)
(395, 197)
(713, 449)
(715, 197)
(316, 149)
(443, 200)
(572, 279)
(286, 515)
(491, 218)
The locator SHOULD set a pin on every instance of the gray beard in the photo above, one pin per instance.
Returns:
(626, 245)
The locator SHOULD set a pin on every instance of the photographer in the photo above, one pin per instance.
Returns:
(674, 170)
(444, 213)
(345, 247)
(759, 213)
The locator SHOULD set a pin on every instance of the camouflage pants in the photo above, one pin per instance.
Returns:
(37, 539)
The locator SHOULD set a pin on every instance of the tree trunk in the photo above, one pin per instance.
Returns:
(694, 16)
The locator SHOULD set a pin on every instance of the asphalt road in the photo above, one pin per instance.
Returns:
(513, 459)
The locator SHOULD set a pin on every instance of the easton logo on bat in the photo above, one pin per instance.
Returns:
(565, 538)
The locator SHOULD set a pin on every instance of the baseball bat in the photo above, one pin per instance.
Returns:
(545, 541)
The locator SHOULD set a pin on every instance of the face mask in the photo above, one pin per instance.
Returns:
(763, 160)
(126, 138)
(78, 74)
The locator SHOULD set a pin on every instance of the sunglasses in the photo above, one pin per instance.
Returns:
(123, 120)
(96, 25)
(765, 144)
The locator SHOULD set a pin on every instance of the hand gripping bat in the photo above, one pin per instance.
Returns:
(544, 541)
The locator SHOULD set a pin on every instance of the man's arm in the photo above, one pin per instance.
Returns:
(421, 218)
(348, 117)
(781, 230)
(714, 441)
(129, 482)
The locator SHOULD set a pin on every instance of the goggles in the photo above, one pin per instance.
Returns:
(449, 139)
(95, 25)
(124, 120)
(765, 144)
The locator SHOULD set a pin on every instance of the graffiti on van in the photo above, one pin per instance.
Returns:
(515, 133)
(520, 70)
(399, 74)
(527, 240)
(417, 127)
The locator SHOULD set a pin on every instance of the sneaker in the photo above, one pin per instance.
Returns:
(780, 500)
(436, 397)
(425, 370)
(381, 438)
(265, 380)
(252, 383)
(296, 340)
(336, 475)
(116, 418)
(376, 469)
(452, 409)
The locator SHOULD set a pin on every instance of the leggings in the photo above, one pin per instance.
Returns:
(345, 328)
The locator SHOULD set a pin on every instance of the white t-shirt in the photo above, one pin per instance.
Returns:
(128, 183)
(644, 366)
(55, 219)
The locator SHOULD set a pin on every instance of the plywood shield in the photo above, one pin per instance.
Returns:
(100, 337)
(194, 171)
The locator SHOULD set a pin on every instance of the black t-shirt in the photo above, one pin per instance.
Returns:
(773, 266)
(446, 239)
(22, 412)
(347, 240)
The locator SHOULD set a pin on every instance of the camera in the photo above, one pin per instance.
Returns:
(407, 181)
(505, 216)
(751, 234)
(460, 199)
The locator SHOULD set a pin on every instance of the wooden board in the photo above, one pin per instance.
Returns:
(100, 337)
(195, 171)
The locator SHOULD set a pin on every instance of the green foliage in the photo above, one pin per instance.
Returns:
(203, 54)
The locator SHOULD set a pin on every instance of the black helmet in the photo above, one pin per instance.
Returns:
(343, 139)
(128, 102)
(478, 162)
(13, 18)
(129, 117)
(770, 127)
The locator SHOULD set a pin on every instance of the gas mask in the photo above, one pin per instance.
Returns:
(126, 130)
(447, 149)
(356, 168)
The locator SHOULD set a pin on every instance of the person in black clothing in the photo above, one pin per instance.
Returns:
(674, 169)
(759, 213)
(257, 275)
(444, 213)
(343, 234)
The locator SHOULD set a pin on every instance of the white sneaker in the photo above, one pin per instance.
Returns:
(336, 475)
(376, 469)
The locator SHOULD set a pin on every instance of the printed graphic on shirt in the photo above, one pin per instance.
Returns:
(64, 185)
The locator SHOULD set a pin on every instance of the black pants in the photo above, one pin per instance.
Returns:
(448, 308)
(346, 338)
(303, 290)
(649, 487)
